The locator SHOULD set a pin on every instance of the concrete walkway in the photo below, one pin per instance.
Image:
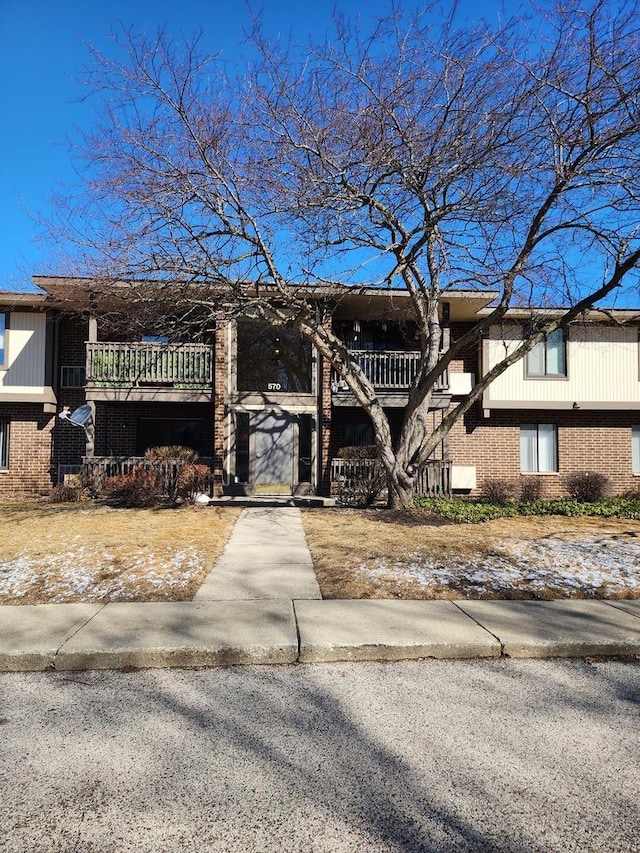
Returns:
(261, 604)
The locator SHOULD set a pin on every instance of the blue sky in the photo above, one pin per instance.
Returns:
(42, 55)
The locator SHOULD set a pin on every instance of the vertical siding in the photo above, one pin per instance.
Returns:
(26, 348)
(602, 367)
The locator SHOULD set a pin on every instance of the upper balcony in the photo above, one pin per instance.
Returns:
(149, 371)
(390, 371)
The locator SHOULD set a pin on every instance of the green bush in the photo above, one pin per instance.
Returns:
(471, 510)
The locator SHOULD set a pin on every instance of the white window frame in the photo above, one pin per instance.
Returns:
(535, 458)
(4, 325)
(4, 443)
(541, 353)
(635, 449)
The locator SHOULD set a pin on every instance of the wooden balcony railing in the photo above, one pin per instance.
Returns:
(388, 370)
(140, 364)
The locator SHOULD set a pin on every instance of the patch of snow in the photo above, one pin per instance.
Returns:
(76, 574)
(602, 567)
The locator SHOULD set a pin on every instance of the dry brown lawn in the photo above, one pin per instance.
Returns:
(75, 552)
(383, 554)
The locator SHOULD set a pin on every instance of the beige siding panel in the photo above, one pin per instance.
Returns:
(602, 366)
(26, 352)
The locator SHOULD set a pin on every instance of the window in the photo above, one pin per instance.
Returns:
(163, 432)
(72, 376)
(4, 442)
(272, 359)
(3, 338)
(538, 448)
(548, 357)
(635, 449)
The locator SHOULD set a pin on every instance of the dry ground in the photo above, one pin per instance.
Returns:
(384, 554)
(72, 552)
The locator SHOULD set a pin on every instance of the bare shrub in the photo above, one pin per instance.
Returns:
(167, 463)
(362, 477)
(137, 489)
(172, 453)
(194, 480)
(497, 491)
(63, 494)
(531, 489)
(587, 486)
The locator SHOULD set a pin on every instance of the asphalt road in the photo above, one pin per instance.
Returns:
(497, 755)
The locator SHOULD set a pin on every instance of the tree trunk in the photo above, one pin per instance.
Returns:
(401, 491)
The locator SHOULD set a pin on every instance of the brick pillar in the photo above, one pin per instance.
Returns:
(219, 392)
(325, 427)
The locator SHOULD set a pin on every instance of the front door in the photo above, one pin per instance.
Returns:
(271, 452)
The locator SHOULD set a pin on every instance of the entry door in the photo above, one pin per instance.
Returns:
(272, 451)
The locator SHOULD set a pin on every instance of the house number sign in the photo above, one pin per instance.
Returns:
(274, 386)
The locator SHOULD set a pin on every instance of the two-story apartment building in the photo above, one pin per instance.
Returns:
(270, 415)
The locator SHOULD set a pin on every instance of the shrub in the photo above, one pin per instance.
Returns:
(587, 486)
(172, 453)
(194, 479)
(167, 462)
(137, 489)
(498, 492)
(365, 451)
(531, 489)
(363, 477)
(63, 494)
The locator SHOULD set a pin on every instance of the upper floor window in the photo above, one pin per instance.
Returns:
(3, 338)
(272, 359)
(548, 357)
(635, 449)
(4, 442)
(538, 448)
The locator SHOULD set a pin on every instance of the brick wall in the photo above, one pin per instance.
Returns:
(30, 458)
(217, 418)
(587, 441)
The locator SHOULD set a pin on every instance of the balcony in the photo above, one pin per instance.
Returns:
(149, 371)
(390, 371)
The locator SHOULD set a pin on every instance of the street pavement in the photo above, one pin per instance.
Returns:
(500, 755)
(261, 604)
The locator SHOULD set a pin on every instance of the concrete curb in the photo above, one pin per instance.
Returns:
(223, 633)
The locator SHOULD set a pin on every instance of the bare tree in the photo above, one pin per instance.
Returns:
(419, 154)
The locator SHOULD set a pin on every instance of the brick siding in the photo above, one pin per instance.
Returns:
(30, 458)
(587, 441)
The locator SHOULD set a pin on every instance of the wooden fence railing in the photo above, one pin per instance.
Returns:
(358, 480)
(96, 469)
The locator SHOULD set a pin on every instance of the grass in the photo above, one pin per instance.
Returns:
(83, 552)
(373, 553)
(77, 552)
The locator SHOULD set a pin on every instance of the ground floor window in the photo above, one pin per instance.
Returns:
(242, 447)
(4, 442)
(304, 448)
(163, 432)
(635, 449)
(538, 448)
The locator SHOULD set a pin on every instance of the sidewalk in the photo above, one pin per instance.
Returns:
(261, 604)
